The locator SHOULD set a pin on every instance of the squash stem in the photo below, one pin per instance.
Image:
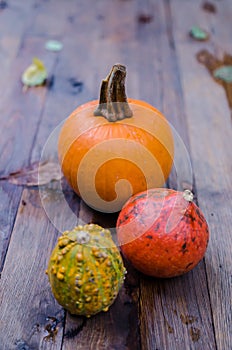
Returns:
(113, 103)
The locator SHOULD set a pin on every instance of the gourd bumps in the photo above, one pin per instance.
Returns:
(86, 270)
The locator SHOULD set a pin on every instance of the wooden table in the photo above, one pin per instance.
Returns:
(151, 37)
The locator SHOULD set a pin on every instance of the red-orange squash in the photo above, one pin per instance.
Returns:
(162, 232)
(113, 148)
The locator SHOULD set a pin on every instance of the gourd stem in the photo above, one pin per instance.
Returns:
(113, 103)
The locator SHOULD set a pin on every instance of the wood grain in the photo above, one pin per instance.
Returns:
(10, 198)
(13, 151)
(11, 36)
(27, 307)
(20, 113)
(176, 312)
(119, 327)
(209, 120)
(151, 38)
(171, 301)
(116, 329)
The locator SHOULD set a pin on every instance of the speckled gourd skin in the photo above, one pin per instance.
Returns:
(85, 270)
(162, 232)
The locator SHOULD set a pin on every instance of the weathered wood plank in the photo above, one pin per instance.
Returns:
(28, 105)
(143, 32)
(119, 327)
(210, 137)
(176, 312)
(10, 198)
(20, 118)
(11, 39)
(151, 38)
(77, 75)
(11, 36)
(165, 304)
(20, 112)
(30, 317)
(115, 329)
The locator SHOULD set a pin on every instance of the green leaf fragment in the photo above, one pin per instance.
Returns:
(223, 73)
(53, 45)
(198, 33)
(35, 74)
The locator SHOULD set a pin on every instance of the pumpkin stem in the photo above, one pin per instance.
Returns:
(113, 103)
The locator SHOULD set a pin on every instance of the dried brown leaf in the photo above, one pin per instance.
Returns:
(35, 175)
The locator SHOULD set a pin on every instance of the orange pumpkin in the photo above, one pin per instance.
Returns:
(114, 148)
